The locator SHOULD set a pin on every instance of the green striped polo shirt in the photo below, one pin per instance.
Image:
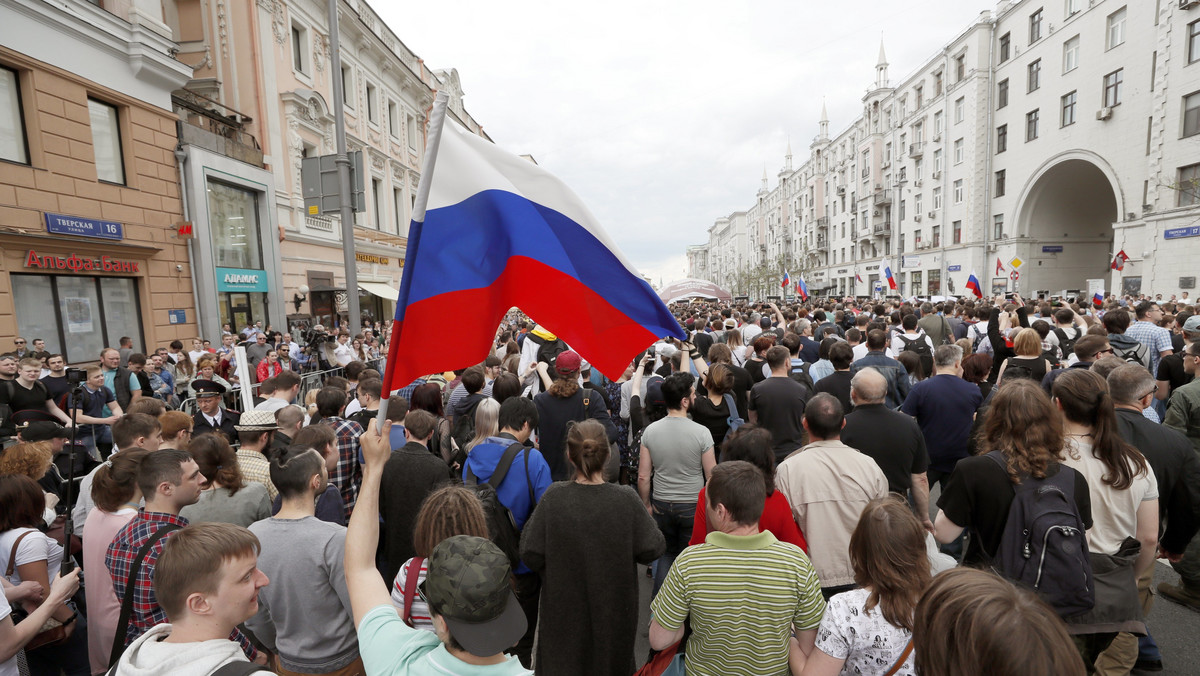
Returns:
(744, 594)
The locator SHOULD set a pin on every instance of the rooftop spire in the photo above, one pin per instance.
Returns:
(881, 68)
(882, 56)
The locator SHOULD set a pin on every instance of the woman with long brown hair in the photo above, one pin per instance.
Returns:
(227, 497)
(1124, 495)
(869, 630)
(588, 617)
(1024, 426)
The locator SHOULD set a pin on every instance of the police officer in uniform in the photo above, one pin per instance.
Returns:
(211, 417)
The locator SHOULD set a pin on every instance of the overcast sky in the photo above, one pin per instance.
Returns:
(662, 115)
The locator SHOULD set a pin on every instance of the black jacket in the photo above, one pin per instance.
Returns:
(228, 420)
(1177, 469)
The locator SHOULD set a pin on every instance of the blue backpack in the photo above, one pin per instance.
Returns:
(735, 419)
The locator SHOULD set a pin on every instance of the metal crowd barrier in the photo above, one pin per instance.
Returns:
(309, 381)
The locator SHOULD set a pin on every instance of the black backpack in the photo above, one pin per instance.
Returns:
(464, 420)
(502, 525)
(1015, 371)
(801, 375)
(1043, 546)
(548, 350)
(1066, 346)
(920, 346)
(1136, 354)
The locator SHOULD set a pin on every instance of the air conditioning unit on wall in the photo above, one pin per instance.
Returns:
(1105, 113)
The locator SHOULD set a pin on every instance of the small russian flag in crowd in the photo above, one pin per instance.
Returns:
(1098, 299)
(491, 231)
(857, 277)
(887, 272)
(787, 280)
(802, 288)
(973, 285)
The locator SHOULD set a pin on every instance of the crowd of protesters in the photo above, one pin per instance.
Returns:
(846, 486)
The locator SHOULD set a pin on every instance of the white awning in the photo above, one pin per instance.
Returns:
(382, 290)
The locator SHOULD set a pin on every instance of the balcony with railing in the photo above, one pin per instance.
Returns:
(822, 241)
(823, 222)
(881, 229)
(916, 150)
(215, 127)
(882, 198)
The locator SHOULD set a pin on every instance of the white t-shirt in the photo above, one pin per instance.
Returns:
(37, 546)
(9, 666)
(1114, 513)
(899, 338)
(860, 351)
(344, 354)
(868, 643)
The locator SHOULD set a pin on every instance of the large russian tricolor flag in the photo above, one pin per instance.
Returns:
(491, 231)
(973, 285)
(887, 272)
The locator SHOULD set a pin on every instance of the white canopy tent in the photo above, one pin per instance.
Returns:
(687, 289)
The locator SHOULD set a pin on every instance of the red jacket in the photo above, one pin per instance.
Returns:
(267, 370)
(776, 517)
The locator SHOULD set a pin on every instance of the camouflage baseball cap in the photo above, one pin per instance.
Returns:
(468, 585)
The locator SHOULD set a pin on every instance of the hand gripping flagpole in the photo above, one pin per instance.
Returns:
(433, 137)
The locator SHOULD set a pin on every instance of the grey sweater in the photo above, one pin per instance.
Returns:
(313, 631)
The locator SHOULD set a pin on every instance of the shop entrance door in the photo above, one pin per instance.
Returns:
(237, 310)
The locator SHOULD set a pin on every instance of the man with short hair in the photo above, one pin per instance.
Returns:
(777, 404)
(161, 380)
(123, 382)
(892, 439)
(838, 383)
(519, 493)
(1088, 350)
(474, 612)
(744, 593)
(20, 350)
(1116, 322)
(1068, 328)
(287, 388)
(206, 583)
(308, 554)
(409, 476)
(254, 430)
(828, 484)
(95, 433)
(56, 380)
(132, 430)
(347, 475)
(1184, 412)
(944, 405)
(910, 338)
(368, 394)
(890, 369)
(174, 351)
(210, 417)
(1171, 375)
(1147, 332)
(8, 367)
(290, 420)
(256, 352)
(934, 325)
(169, 480)
(343, 353)
(125, 348)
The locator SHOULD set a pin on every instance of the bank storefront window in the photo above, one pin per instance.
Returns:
(91, 313)
(233, 218)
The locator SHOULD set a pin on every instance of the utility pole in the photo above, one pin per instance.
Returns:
(343, 170)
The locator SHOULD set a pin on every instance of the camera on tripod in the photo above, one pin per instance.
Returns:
(76, 377)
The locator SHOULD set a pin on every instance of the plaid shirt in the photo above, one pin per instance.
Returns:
(347, 476)
(119, 560)
(1155, 338)
(254, 467)
(407, 390)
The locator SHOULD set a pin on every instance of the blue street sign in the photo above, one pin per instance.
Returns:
(1057, 248)
(1180, 233)
(59, 224)
(953, 268)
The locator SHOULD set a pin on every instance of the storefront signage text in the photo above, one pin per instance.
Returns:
(371, 258)
(75, 263)
(83, 227)
(237, 279)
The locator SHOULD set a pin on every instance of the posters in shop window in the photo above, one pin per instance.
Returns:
(78, 313)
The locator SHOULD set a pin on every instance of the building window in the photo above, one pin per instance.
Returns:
(1035, 26)
(937, 198)
(937, 235)
(1191, 114)
(1193, 41)
(1071, 54)
(1073, 7)
(918, 203)
(960, 109)
(937, 83)
(958, 191)
(233, 220)
(937, 160)
(1068, 109)
(958, 151)
(299, 49)
(372, 103)
(998, 226)
(1005, 46)
(1001, 176)
(902, 210)
(917, 289)
(957, 225)
(1035, 75)
(1188, 187)
(13, 146)
(960, 67)
(393, 119)
(348, 86)
(412, 132)
(1031, 125)
(1112, 88)
(1116, 29)
(920, 89)
(1001, 138)
(1002, 94)
(377, 202)
(106, 142)
(937, 123)
(77, 316)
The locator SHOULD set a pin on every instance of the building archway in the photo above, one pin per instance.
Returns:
(1072, 202)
